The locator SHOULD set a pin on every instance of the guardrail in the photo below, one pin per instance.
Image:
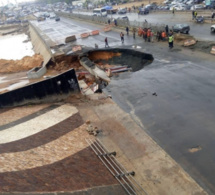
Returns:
(120, 23)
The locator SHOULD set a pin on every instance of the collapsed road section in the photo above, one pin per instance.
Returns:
(96, 63)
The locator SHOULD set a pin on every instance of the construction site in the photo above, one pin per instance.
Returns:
(77, 117)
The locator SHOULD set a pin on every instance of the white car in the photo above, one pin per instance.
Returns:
(198, 6)
(213, 28)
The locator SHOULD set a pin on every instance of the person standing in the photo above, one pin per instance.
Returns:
(145, 34)
(212, 16)
(106, 42)
(122, 37)
(149, 35)
(171, 40)
(127, 30)
(167, 29)
(173, 10)
(134, 32)
(152, 36)
(115, 22)
(193, 15)
(109, 21)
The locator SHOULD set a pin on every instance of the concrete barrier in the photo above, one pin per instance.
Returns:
(213, 50)
(85, 35)
(107, 28)
(76, 48)
(36, 72)
(39, 45)
(189, 42)
(70, 39)
(95, 32)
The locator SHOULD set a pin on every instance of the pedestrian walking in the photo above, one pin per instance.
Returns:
(115, 22)
(96, 46)
(106, 42)
(109, 21)
(134, 32)
(127, 30)
(193, 15)
(212, 16)
(122, 37)
(167, 29)
(171, 40)
(173, 10)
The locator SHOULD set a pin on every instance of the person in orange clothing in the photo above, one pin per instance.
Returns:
(140, 32)
(163, 36)
(143, 33)
(149, 35)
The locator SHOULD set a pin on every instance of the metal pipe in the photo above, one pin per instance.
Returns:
(113, 167)
(90, 144)
(124, 169)
(117, 167)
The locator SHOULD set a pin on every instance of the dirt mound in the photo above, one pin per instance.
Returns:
(182, 37)
(25, 64)
(63, 63)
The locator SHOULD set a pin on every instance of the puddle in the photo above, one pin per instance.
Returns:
(14, 47)
(195, 149)
(136, 60)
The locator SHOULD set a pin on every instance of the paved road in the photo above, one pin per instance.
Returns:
(181, 116)
(200, 31)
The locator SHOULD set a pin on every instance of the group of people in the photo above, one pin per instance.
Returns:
(148, 35)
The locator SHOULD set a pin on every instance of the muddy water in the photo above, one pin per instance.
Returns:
(15, 47)
(123, 57)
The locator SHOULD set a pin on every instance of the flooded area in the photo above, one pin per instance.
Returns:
(15, 47)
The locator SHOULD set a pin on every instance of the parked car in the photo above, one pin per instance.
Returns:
(200, 19)
(41, 18)
(122, 11)
(198, 6)
(143, 11)
(182, 28)
(213, 28)
(57, 18)
(125, 18)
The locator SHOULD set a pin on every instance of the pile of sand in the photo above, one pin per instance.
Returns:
(25, 64)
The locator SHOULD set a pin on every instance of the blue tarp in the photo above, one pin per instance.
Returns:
(108, 7)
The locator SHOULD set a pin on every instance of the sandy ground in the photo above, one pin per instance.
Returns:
(26, 63)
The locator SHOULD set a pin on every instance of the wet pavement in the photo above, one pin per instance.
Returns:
(199, 31)
(180, 116)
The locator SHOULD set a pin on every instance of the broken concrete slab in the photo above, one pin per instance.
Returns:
(213, 50)
(70, 39)
(189, 42)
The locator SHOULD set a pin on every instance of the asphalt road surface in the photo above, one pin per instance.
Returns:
(199, 31)
(180, 118)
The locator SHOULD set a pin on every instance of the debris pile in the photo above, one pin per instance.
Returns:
(25, 64)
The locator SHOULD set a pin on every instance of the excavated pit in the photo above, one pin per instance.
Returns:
(133, 59)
